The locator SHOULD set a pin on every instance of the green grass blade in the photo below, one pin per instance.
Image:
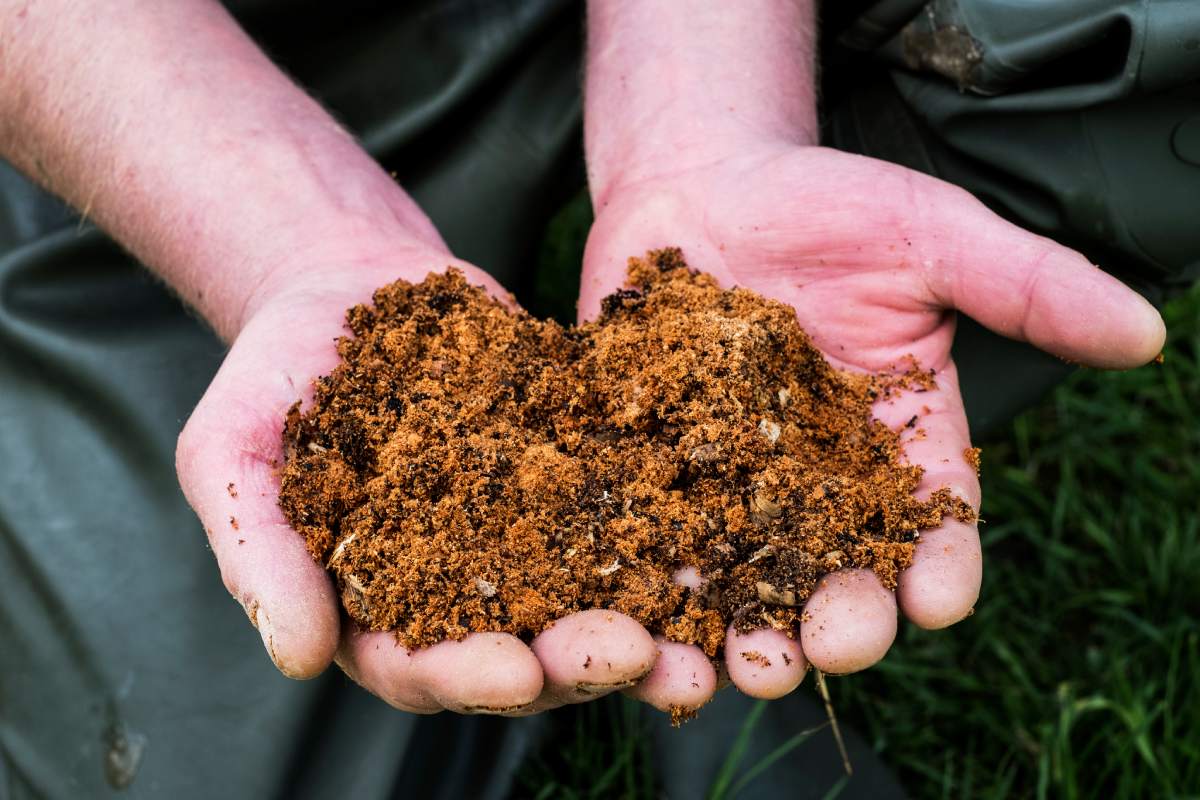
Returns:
(768, 760)
(720, 785)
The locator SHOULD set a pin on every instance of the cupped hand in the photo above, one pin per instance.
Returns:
(875, 259)
(228, 460)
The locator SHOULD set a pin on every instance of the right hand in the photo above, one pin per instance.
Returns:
(228, 460)
(876, 260)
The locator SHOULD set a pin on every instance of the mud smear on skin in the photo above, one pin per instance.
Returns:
(466, 468)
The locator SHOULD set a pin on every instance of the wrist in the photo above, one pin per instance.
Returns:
(680, 161)
(239, 252)
(674, 87)
(340, 254)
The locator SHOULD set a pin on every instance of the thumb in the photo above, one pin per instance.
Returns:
(226, 459)
(1028, 287)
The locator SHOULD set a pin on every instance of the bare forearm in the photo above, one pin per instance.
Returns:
(671, 84)
(167, 126)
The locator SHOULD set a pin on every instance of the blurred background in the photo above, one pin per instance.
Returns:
(1075, 677)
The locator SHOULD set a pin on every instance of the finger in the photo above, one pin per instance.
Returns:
(765, 664)
(592, 653)
(485, 673)
(587, 655)
(1026, 286)
(934, 435)
(966, 257)
(682, 678)
(377, 662)
(226, 460)
(849, 622)
(942, 585)
(231, 448)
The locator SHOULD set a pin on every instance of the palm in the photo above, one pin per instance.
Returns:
(875, 259)
(866, 305)
(227, 462)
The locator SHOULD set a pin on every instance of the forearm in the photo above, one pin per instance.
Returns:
(672, 85)
(166, 125)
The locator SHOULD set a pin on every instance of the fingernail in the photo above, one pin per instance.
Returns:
(603, 688)
(263, 621)
(250, 606)
(260, 619)
(493, 709)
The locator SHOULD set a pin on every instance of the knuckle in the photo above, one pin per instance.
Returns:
(186, 448)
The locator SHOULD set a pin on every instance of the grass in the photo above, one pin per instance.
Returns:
(733, 777)
(1077, 676)
(604, 753)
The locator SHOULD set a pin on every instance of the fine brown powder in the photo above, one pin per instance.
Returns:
(467, 468)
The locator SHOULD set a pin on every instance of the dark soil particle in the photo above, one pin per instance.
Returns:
(467, 468)
(681, 714)
(755, 657)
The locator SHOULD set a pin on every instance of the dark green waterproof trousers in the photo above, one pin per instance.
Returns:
(125, 668)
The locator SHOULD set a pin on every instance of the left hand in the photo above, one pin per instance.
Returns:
(875, 259)
(228, 461)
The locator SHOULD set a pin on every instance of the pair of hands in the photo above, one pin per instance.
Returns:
(874, 258)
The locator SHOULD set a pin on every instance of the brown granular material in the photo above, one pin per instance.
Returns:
(468, 468)
(682, 714)
(755, 657)
(974, 457)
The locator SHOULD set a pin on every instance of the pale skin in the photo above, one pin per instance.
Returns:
(700, 132)
(199, 156)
